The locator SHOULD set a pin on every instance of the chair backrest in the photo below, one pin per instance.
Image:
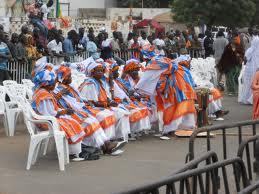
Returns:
(28, 116)
(8, 83)
(2, 93)
(28, 83)
(2, 98)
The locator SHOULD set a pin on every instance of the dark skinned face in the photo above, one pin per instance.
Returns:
(134, 75)
(98, 74)
(51, 87)
(115, 74)
(68, 80)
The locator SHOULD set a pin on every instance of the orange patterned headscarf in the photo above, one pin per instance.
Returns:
(63, 73)
(132, 65)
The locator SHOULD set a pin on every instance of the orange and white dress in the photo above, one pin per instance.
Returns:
(172, 85)
(139, 113)
(44, 103)
(95, 135)
(93, 90)
(215, 101)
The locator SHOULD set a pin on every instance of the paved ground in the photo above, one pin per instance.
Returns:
(143, 161)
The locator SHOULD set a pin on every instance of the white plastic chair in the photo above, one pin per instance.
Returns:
(12, 111)
(28, 84)
(38, 137)
(3, 109)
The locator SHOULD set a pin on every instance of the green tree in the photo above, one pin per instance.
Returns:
(230, 13)
(255, 20)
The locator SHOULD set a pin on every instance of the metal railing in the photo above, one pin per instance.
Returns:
(250, 189)
(223, 129)
(181, 183)
(20, 70)
(245, 154)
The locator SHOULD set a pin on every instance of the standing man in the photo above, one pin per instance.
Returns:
(246, 38)
(115, 42)
(143, 40)
(82, 38)
(4, 57)
(208, 44)
(218, 47)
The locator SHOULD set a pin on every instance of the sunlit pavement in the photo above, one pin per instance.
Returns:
(143, 161)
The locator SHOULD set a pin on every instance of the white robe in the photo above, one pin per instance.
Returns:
(139, 126)
(252, 56)
(122, 128)
(98, 138)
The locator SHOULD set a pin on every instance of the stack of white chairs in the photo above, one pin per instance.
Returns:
(12, 108)
(39, 138)
(29, 85)
(3, 105)
(204, 72)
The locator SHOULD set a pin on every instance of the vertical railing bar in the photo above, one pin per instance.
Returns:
(224, 143)
(248, 160)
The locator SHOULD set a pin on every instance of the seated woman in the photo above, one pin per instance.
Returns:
(139, 117)
(130, 79)
(68, 98)
(96, 89)
(44, 103)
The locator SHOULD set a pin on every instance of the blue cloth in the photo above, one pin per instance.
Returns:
(68, 47)
(4, 50)
(83, 41)
(92, 49)
(39, 23)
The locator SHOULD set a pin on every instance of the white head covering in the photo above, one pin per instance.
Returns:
(41, 64)
(92, 66)
(132, 61)
(183, 58)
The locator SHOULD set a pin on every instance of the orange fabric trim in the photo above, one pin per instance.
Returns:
(176, 111)
(102, 96)
(216, 94)
(91, 128)
(108, 122)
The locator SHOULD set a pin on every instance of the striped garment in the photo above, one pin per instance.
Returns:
(4, 50)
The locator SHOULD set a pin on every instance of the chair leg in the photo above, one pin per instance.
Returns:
(12, 118)
(36, 153)
(60, 151)
(45, 147)
(67, 150)
(6, 126)
(32, 148)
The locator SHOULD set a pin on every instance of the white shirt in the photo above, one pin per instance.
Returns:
(53, 46)
(159, 42)
(143, 42)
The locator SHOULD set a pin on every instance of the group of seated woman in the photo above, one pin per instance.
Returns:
(108, 108)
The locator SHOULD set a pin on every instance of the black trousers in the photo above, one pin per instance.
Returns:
(4, 75)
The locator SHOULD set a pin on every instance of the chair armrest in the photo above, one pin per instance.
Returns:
(52, 121)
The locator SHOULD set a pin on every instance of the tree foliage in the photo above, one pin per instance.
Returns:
(229, 13)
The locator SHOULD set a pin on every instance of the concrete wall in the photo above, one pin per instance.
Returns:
(114, 13)
(76, 4)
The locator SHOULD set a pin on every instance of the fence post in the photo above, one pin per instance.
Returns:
(256, 162)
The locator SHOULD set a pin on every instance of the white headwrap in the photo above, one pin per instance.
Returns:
(92, 66)
(132, 61)
(41, 64)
